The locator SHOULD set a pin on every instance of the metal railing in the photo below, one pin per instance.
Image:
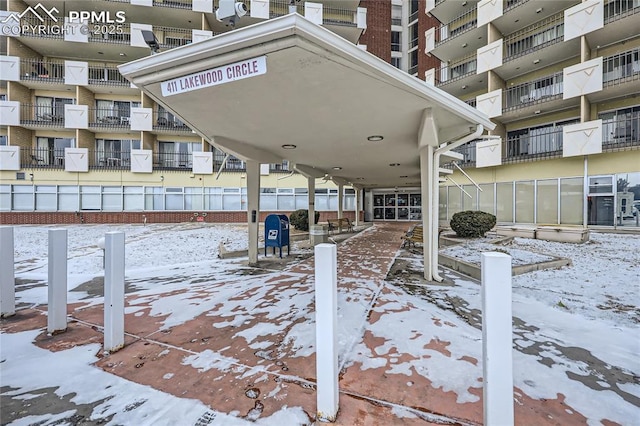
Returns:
(471, 102)
(331, 15)
(534, 37)
(104, 118)
(512, 4)
(468, 152)
(122, 35)
(172, 37)
(533, 92)
(456, 70)
(31, 26)
(621, 68)
(172, 160)
(50, 71)
(618, 9)
(622, 131)
(163, 120)
(174, 4)
(41, 158)
(106, 75)
(536, 143)
(42, 115)
(459, 25)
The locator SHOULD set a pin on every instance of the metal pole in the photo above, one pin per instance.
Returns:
(57, 284)
(7, 273)
(326, 324)
(114, 291)
(497, 357)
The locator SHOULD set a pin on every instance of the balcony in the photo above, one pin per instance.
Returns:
(165, 122)
(448, 10)
(104, 119)
(458, 78)
(168, 38)
(41, 116)
(620, 75)
(535, 144)
(459, 36)
(468, 152)
(42, 74)
(41, 158)
(172, 161)
(106, 75)
(620, 23)
(621, 132)
(174, 4)
(519, 13)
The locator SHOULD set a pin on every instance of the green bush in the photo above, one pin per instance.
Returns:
(300, 219)
(470, 224)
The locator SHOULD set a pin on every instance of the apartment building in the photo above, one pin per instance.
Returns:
(71, 125)
(561, 80)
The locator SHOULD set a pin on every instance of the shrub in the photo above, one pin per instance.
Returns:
(300, 219)
(472, 223)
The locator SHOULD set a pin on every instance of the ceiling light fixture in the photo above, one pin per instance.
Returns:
(289, 146)
(375, 138)
(394, 164)
(537, 112)
(464, 45)
(538, 10)
(464, 87)
(337, 168)
(537, 61)
(404, 176)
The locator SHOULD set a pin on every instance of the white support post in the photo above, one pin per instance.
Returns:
(7, 273)
(57, 285)
(311, 186)
(497, 339)
(114, 291)
(357, 205)
(253, 208)
(340, 200)
(426, 166)
(326, 336)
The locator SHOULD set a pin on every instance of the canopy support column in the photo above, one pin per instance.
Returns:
(340, 200)
(253, 208)
(311, 185)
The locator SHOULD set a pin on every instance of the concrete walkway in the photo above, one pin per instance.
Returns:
(221, 357)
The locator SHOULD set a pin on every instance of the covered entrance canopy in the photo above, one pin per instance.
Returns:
(308, 96)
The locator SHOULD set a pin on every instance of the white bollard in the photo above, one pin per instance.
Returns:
(114, 291)
(57, 284)
(326, 338)
(497, 337)
(7, 274)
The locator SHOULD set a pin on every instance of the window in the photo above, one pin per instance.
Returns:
(177, 154)
(51, 109)
(51, 150)
(3, 140)
(396, 14)
(396, 41)
(114, 112)
(396, 62)
(621, 126)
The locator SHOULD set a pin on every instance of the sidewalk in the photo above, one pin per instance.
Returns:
(245, 345)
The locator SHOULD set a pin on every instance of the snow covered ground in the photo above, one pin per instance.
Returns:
(576, 330)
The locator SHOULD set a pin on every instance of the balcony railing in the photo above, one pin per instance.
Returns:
(621, 68)
(471, 102)
(544, 33)
(457, 70)
(331, 15)
(468, 152)
(172, 37)
(42, 115)
(163, 120)
(533, 92)
(41, 158)
(106, 76)
(30, 26)
(511, 4)
(174, 4)
(622, 131)
(172, 160)
(618, 9)
(50, 71)
(460, 25)
(105, 118)
(537, 143)
(121, 36)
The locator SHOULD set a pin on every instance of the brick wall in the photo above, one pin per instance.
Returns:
(18, 92)
(20, 137)
(85, 97)
(425, 61)
(48, 218)
(85, 139)
(148, 140)
(377, 37)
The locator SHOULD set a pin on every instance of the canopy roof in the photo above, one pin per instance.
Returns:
(308, 87)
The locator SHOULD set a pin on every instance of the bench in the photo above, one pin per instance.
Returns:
(339, 224)
(413, 235)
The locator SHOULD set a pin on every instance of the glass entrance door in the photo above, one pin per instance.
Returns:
(397, 206)
(601, 201)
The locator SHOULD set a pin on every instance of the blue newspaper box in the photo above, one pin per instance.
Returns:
(276, 233)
